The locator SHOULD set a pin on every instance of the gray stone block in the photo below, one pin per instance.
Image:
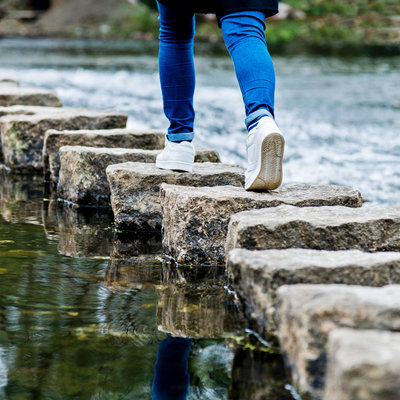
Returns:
(22, 136)
(257, 275)
(196, 219)
(135, 189)
(363, 365)
(12, 95)
(306, 314)
(7, 82)
(109, 138)
(32, 110)
(322, 228)
(83, 178)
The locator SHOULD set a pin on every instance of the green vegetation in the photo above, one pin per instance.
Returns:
(327, 26)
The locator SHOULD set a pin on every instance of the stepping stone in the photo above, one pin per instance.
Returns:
(6, 82)
(194, 304)
(322, 228)
(258, 274)
(32, 110)
(83, 178)
(80, 233)
(363, 364)
(111, 138)
(306, 314)
(203, 242)
(11, 95)
(22, 136)
(135, 189)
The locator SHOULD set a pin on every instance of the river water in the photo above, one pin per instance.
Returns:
(83, 312)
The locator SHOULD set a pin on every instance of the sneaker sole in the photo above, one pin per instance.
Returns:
(269, 176)
(175, 166)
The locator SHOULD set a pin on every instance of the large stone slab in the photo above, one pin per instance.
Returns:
(110, 138)
(4, 81)
(83, 178)
(31, 110)
(211, 208)
(323, 228)
(363, 365)
(12, 95)
(306, 314)
(22, 136)
(135, 189)
(257, 275)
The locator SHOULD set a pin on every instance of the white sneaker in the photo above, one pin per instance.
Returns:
(177, 156)
(265, 146)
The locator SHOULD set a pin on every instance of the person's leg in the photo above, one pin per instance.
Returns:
(245, 39)
(176, 67)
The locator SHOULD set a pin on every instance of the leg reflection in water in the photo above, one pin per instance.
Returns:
(171, 376)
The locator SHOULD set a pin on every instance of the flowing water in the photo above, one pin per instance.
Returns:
(84, 311)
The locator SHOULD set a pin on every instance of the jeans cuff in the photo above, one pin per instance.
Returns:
(257, 114)
(179, 137)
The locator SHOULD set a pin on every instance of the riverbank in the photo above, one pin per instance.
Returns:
(312, 26)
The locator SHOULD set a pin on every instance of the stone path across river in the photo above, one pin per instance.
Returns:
(311, 266)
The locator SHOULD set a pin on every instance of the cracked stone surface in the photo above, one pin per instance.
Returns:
(13, 95)
(307, 314)
(258, 274)
(135, 189)
(363, 364)
(323, 228)
(22, 136)
(109, 138)
(195, 222)
(83, 178)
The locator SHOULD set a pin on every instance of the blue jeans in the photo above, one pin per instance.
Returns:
(244, 37)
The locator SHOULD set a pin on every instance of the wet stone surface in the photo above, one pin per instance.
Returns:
(363, 364)
(83, 178)
(257, 275)
(307, 314)
(374, 228)
(135, 189)
(195, 222)
(22, 136)
(109, 138)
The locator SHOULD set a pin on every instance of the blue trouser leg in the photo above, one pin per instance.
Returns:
(176, 67)
(245, 39)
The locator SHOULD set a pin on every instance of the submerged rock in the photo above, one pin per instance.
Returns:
(323, 228)
(110, 138)
(12, 95)
(195, 222)
(306, 314)
(257, 275)
(363, 364)
(135, 189)
(23, 135)
(83, 178)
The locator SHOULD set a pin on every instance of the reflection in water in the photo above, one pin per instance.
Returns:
(80, 327)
